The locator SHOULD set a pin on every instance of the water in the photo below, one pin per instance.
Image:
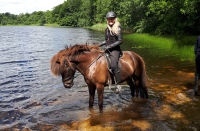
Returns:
(31, 98)
(25, 77)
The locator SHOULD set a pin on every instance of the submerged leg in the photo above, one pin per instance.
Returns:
(92, 90)
(196, 87)
(143, 90)
(132, 86)
(100, 91)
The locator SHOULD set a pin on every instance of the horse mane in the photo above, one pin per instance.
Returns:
(57, 60)
(81, 48)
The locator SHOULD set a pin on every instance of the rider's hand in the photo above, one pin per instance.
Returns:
(107, 47)
(104, 48)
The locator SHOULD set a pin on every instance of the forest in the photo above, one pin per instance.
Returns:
(160, 17)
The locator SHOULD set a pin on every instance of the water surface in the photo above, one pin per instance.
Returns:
(31, 98)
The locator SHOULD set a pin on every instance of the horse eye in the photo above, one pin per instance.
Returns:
(66, 63)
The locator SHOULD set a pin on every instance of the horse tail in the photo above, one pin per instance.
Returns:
(140, 69)
(144, 79)
(144, 76)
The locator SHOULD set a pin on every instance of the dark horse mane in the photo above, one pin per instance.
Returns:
(57, 60)
(81, 48)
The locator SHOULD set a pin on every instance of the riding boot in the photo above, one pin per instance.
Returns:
(196, 86)
(117, 76)
(117, 79)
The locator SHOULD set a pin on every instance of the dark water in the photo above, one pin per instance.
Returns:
(30, 97)
(27, 88)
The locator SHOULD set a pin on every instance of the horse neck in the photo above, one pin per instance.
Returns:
(85, 60)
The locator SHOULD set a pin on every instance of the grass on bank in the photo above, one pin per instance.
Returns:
(98, 27)
(182, 48)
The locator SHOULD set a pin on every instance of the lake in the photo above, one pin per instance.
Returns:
(32, 99)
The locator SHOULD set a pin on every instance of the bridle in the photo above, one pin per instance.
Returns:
(68, 68)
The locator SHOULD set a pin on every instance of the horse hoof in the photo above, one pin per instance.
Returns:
(118, 89)
(196, 93)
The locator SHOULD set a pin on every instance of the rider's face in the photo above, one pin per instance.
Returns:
(111, 21)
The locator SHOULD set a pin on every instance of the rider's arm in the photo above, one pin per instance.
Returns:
(102, 43)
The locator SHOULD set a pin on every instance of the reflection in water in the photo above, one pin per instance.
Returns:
(31, 98)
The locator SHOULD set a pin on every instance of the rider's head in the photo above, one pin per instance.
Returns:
(110, 16)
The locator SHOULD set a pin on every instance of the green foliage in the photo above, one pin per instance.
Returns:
(165, 45)
(100, 27)
(161, 17)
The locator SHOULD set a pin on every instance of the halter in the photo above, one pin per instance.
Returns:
(69, 68)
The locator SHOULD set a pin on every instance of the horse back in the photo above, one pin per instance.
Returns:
(131, 62)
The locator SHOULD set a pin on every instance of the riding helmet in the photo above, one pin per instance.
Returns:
(111, 15)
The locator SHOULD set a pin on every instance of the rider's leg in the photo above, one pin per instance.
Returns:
(114, 65)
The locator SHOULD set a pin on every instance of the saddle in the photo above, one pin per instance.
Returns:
(108, 60)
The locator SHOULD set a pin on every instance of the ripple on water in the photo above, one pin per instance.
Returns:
(29, 94)
(15, 118)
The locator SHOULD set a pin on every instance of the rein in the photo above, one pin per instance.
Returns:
(70, 78)
(83, 71)
(94, 60)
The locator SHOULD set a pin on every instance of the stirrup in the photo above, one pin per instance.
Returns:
(118, 89)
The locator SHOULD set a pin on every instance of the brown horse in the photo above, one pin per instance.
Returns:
(90, 61)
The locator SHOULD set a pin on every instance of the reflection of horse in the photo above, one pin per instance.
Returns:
(89, 60)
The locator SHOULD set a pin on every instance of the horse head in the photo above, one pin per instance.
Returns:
(60, 65)
(68, 74)
(64, 62)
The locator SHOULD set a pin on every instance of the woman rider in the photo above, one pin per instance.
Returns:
(113, 39)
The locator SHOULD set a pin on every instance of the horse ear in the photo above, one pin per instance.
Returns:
(58, 61)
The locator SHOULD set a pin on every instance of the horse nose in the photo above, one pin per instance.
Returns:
(68, 85)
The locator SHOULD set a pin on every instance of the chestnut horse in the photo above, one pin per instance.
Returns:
(90, 61)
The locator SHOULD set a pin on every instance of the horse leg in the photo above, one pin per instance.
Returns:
(143, 90)
(100, 91)
(132, 86)
(92, 90)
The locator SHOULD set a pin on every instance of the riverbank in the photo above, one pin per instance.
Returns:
(182, 47)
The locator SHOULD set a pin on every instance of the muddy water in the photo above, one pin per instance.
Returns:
(32, 99)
